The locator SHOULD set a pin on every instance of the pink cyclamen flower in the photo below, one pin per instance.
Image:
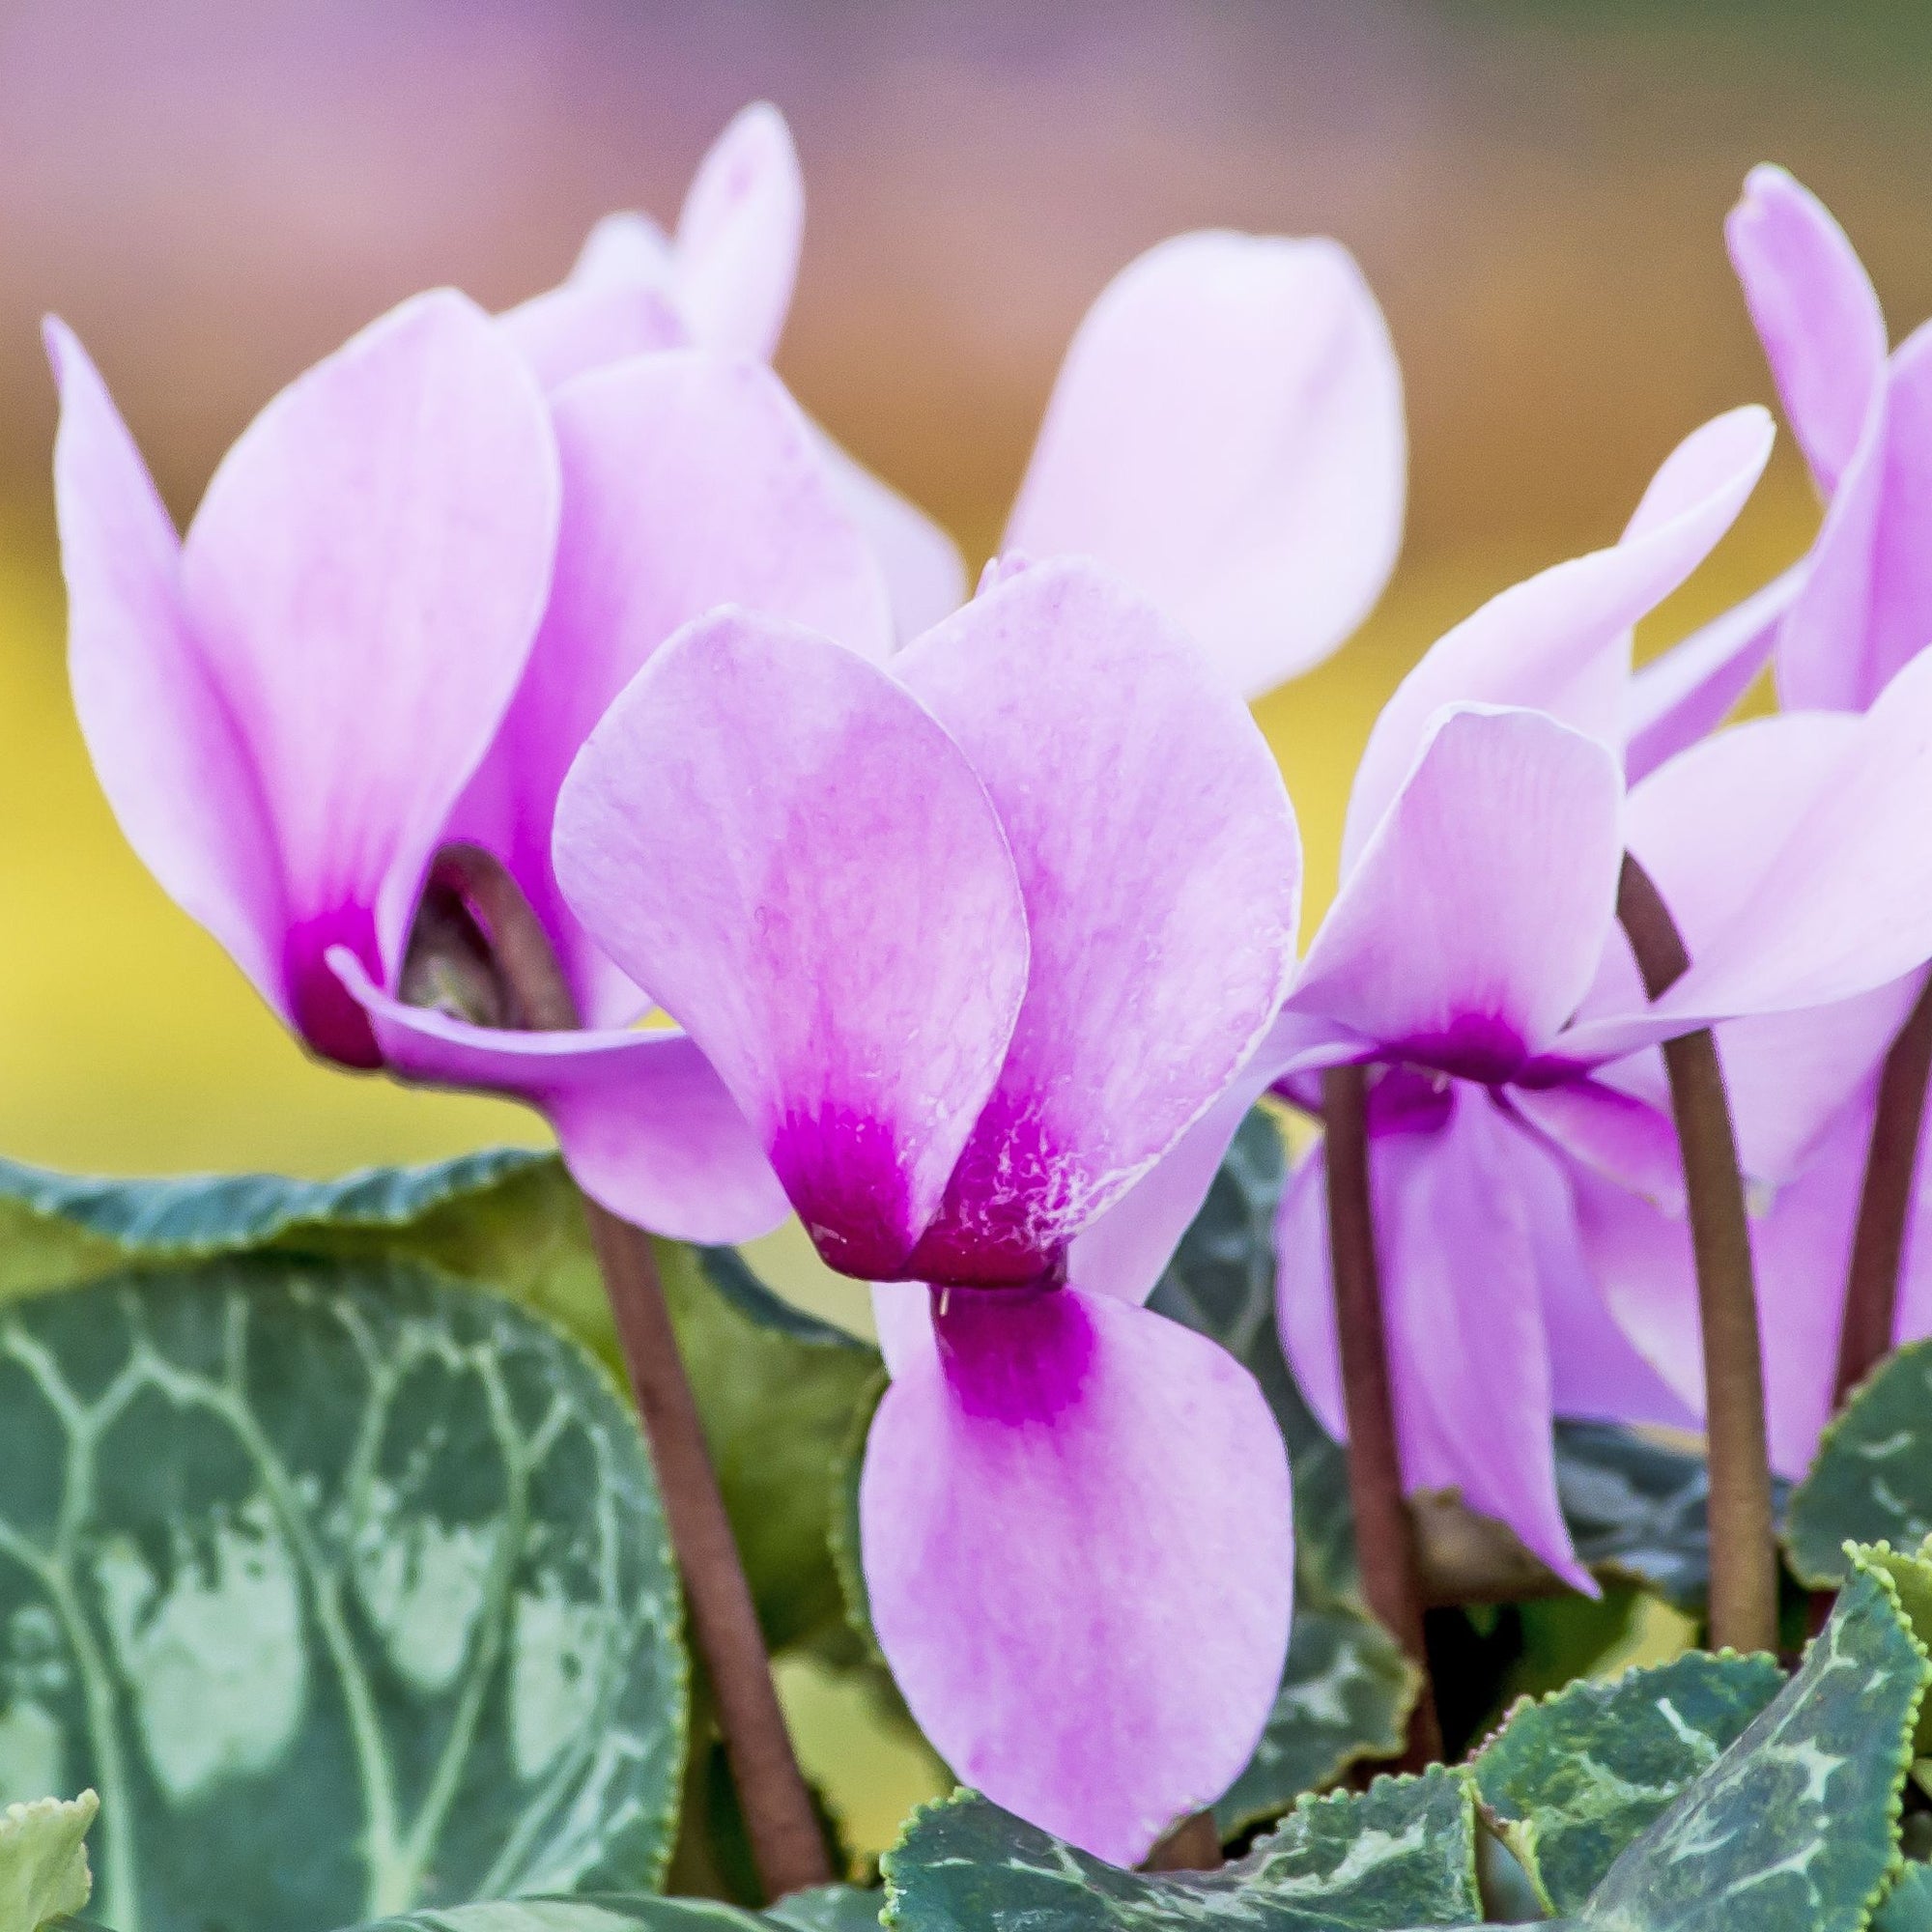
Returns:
(1472, 955)
(1843, 622)
(1858, 606)
(972, 942)
(414, 585)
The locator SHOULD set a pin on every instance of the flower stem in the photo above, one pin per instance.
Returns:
(1743, 1549)
(1885, 1203)
(788, 1846)
(1193, 1845)
(1384, 1530)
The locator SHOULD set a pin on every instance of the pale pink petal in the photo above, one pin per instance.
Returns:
(1461, 1222)
(1790, 1075)
(1631, 1140)
(1078, 1547)
(365, 575)
(1158, 857)
(624, 247)
(736, 251)
(903, 1319)
(1126, 1248)
(1800, 1247)
(646, 1128)
(1227, 433)
(689, 481)
(178, 774)
(803, 868)
(1816, 314)
(578, 326)
(1691, 690)
(926, 579)
(1560, 641)
(1471, 921)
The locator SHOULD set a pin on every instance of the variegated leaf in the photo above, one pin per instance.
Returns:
(1401, 1853)
(1573, 1778)
(1792, 1829)
(347, 1588)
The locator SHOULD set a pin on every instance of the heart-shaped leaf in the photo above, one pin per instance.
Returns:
(830, 1908)
(1573, 1778)
(777, 1390)
(1871, 1480)
(346, 1587)
(1401, 1853)
(1793, 1828)
(44, 1860)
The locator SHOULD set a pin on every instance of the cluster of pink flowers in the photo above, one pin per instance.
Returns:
(966, 928)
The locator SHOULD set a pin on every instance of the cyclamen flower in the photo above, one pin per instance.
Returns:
(1843, 619)
(1841, 622)
(972, 942)
(410, 589)
(1473, 956)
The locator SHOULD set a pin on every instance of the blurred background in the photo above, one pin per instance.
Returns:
(215, 192)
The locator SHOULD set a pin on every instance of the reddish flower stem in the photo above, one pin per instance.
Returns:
(1385, 1539)
(1885, 1203)
(787, 1847)
(1743, 1549)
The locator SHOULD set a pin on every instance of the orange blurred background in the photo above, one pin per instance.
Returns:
(215, 192)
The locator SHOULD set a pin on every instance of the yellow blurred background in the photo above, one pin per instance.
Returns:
(217, 191)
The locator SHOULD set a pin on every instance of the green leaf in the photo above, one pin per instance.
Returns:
(1792, 1829)
(1401, 1853)
(1573, 1779)
(347, 1587)
(1872, 1481)
(777, 1390)
(1636, 1509)
(831, 1908)
(1345, 1696)
(1908, 1905)
(44, 1860)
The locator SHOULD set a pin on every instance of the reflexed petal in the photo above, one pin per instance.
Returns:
(1789, 850)
(1630, 1139)
(1688, 692)
(1124, 1249)
(578, 326)
(1227, 433)
(365, 575)
(1866, 605)
(181, 780)
(1157, 853)
(801, 864)
(1642, 1262)
(1472, 921)
(736, 252)
(1597, 1374)
(1560, 641)
(1462, 1235)
(646, 1128)
(1815, 312)
(1078, 1547)
(689, 481)
(924, 576)
(624, 247)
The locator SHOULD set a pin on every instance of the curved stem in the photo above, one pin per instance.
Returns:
(1743, 1549)
(788, 1846)
(1385, 1539)
(1885, 1203)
